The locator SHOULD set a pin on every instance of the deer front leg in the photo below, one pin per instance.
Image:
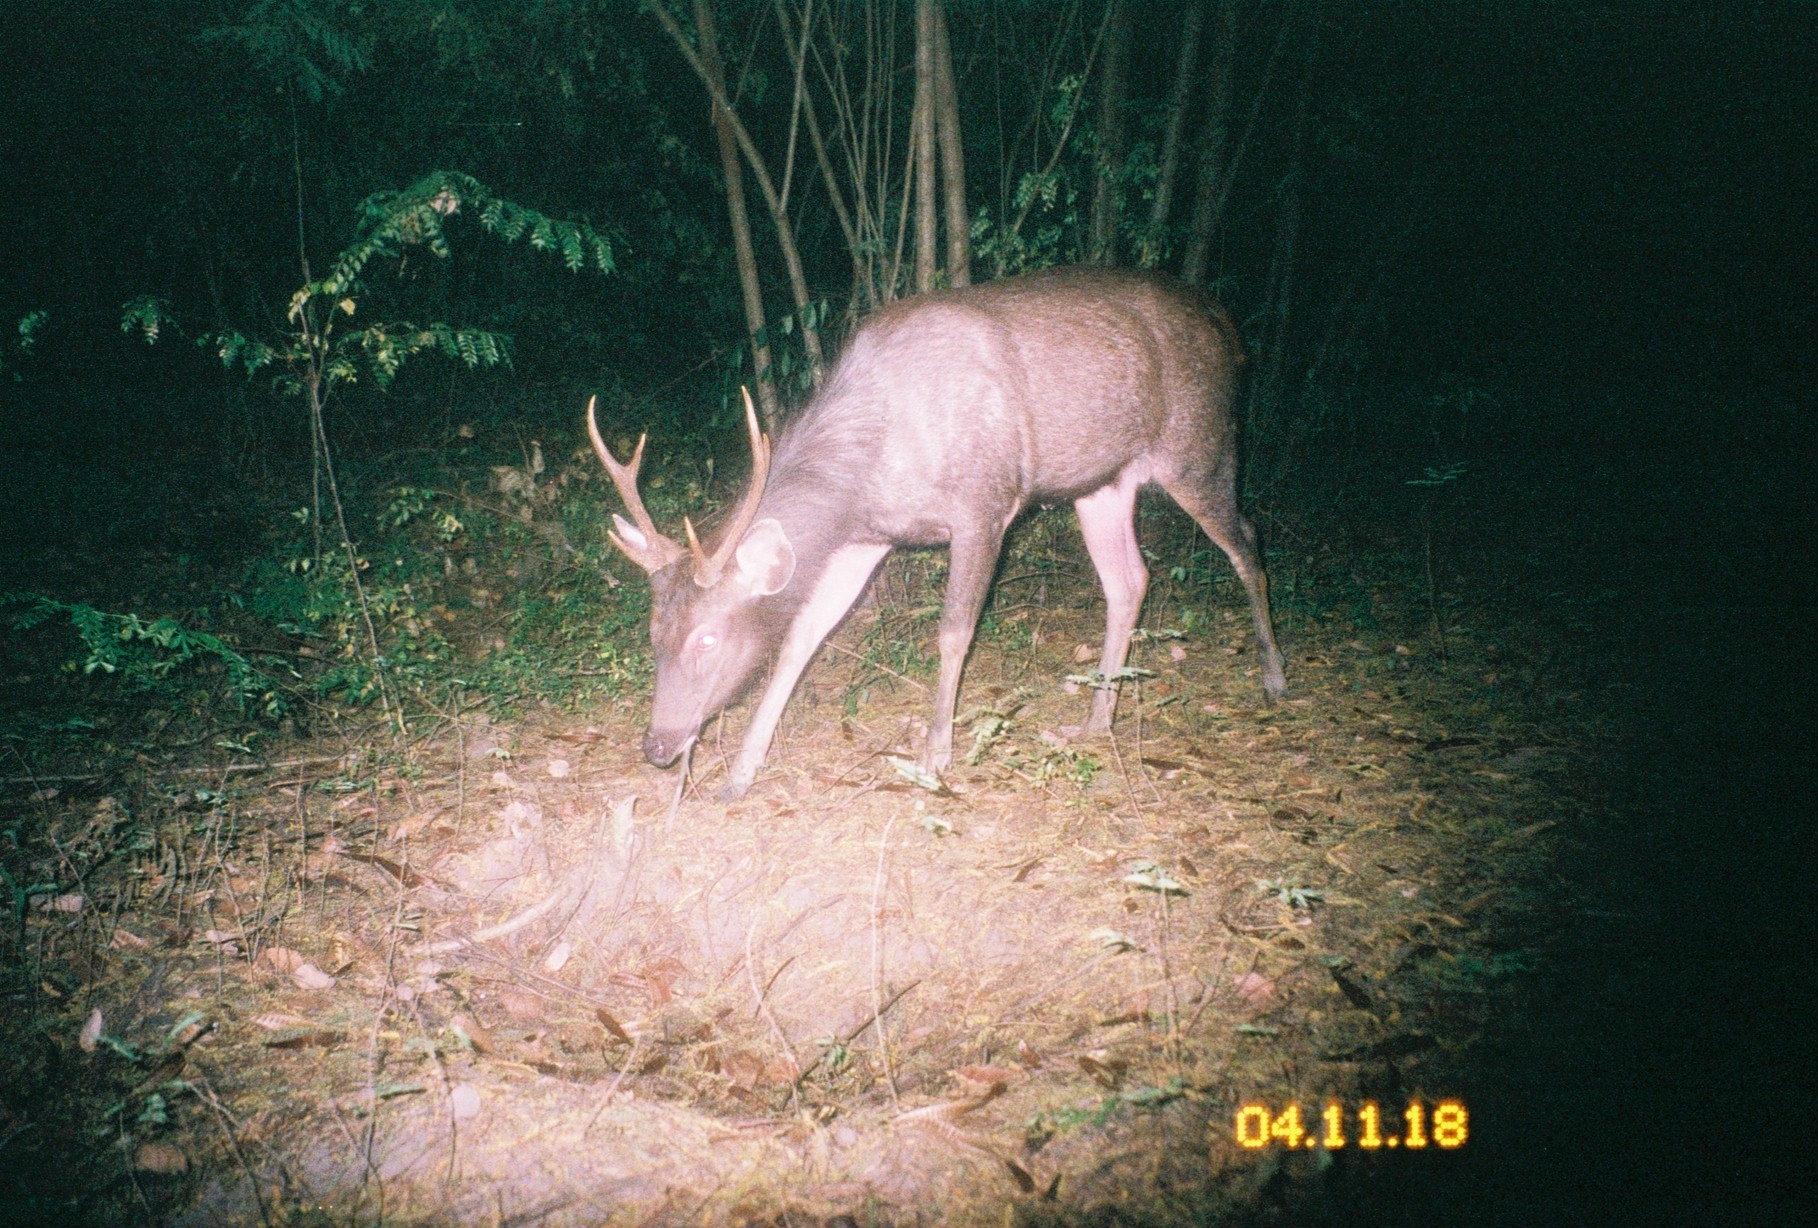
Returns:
(1107, 520)
(839, 586)
(968, 580)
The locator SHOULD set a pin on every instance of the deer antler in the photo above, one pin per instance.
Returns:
(707, 570)
(642, 544)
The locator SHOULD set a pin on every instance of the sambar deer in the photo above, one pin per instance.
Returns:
(947, 415)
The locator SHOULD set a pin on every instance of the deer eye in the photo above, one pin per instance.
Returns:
(707, 641)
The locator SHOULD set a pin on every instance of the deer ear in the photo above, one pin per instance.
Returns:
(766, 559)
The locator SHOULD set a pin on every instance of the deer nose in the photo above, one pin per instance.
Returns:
(663, 749)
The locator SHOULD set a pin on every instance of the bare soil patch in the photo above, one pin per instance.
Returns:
(486, 975)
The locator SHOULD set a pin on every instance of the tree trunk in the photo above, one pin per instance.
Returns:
(922, 139)
(1110, 134)
(798, 53)
(1213, 137)
(1264, 396)
(1185, 68)
(733, 172)
(953, 156)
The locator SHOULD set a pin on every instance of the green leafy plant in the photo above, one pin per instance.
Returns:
(13, 349)
(147, 653)
(325, 350)
(1291, 893)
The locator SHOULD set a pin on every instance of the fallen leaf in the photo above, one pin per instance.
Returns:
(558, 956)
(1255, 988)
(160, 1158)
(1176, 652)
(743, 1069)
(1113, 940)
(308, 976)
(71, 902)
(124, 940)
(915, 774)
(304, 1038)
(464, 1100)
(520, 1002)
(982, 1080)
(477, 1036)
(1083, 653)
(281, 959)
(277, 1021)
(92, 1027)
(189, 1030)
(659, 975)
(611, 1025)
(1107, 1071)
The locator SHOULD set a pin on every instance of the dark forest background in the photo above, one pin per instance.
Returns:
(1543, 196)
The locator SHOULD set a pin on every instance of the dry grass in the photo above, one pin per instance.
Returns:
(844, 998)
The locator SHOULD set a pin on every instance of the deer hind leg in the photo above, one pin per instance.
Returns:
(968, 580)
(1213, 504)
(1107, 520)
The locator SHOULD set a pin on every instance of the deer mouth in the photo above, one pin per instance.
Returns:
(664, 747)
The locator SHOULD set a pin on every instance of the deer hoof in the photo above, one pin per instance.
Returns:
(732, 791)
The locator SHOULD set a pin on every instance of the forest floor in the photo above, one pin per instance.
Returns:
(491, 970)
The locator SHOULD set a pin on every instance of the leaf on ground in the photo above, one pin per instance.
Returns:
(1255, 988)
(520, 1002)
(92, 1027)
(308, 976)
(612, 1025)
(464, 1101)
(160, 1158)
(308, 1037)
(470, 1033)
(1151, 877)
(916, 774)
(1107, 1071)
(278, 1021)
(281, 959)
(982, 1081)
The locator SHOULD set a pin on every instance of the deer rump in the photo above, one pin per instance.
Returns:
(947, 415)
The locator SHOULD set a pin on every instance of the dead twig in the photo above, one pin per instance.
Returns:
(226, 1122)
(769, 1016)
(575, 883)
(859, 1031)
(877, 958)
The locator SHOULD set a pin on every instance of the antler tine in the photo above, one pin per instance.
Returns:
(707, 570)
(662, 550)
(702, 564)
